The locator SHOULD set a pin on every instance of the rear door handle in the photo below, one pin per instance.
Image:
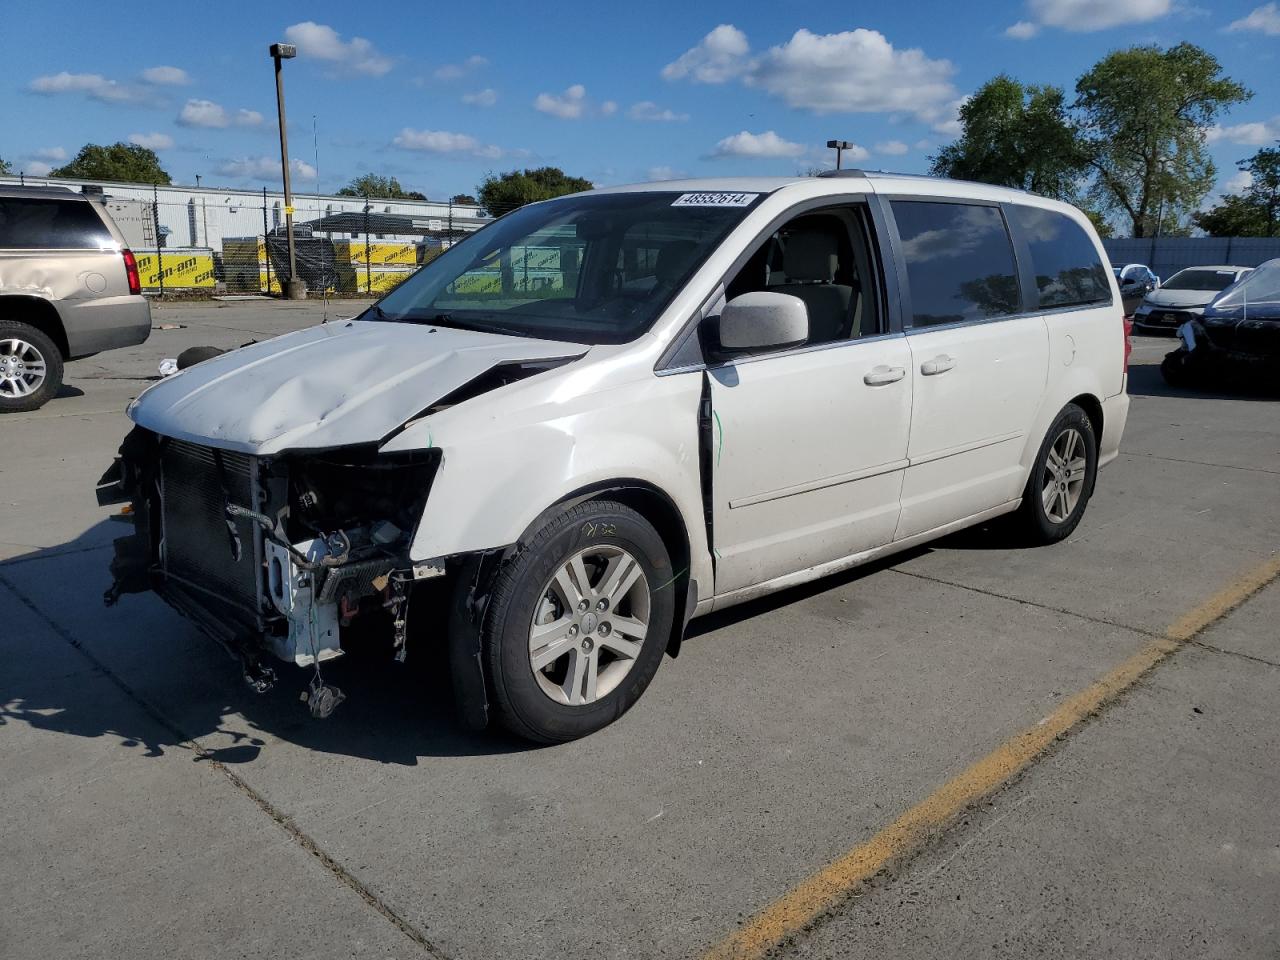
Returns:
(880, 375)
(939, 364)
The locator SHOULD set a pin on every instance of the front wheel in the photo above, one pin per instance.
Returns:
(1061, 480)
(578, 622)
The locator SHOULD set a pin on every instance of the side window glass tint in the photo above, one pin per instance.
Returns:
(959, 261)
(1063, 258)
(40, 224)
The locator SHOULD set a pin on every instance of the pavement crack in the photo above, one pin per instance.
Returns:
(285, 823)
(45, 554)
(1201, 463)
(1233, 653)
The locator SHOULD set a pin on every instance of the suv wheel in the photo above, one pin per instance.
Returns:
(30, 367)
(578, 622)
(1061, 480)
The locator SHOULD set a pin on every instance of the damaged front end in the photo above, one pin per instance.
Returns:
(271, 554)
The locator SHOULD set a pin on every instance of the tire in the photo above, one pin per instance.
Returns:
(193, 355)
(1042, 523)
(23, 349)
(1176, 371)
(546, 688)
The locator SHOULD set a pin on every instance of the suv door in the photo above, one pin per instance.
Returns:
(809, 444)
(979, 368)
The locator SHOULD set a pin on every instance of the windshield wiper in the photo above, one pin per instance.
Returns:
(448, 320)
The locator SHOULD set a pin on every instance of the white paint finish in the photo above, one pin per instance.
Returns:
(975, 396)
(808, 458)
(331, 385)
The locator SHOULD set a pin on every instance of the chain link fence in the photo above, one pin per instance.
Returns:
(222, 245)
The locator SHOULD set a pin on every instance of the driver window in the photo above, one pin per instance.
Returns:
(822, 258)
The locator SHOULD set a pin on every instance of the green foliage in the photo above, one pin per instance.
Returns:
(1256, 211)
(512, 190)
(125, 162)
(5, 169)
(1016, 135)
(1142, 113)
(464, 198)
(378, 187)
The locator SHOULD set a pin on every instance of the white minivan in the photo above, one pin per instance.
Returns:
(606, 414)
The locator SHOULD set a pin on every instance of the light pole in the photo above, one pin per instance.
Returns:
(294, 288)
(839, 146)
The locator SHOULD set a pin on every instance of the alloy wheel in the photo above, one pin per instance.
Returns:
(22, 368)
(1064, 473)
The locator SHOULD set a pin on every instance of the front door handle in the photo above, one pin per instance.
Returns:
(939, 364)
(880, 375)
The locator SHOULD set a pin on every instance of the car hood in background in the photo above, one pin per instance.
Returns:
(332, 385)
(1178, 299)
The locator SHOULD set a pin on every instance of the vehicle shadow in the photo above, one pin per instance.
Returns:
(177, 685)
(1145, 381)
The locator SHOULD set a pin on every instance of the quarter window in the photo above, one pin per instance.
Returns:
(959, 258)
(1068, 270)
(30, 223)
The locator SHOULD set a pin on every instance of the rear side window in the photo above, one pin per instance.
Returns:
(37, 223)
(1068, 271)
(959, 259)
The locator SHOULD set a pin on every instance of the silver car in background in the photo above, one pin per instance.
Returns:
(69, 288)
(1183, 297)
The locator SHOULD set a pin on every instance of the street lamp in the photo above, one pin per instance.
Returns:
(839, 146)
(294, 288)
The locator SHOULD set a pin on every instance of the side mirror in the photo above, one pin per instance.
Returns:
(752, 322)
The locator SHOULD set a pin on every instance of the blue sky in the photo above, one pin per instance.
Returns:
(439, 94)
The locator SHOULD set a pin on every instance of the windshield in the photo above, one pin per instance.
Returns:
(1261, 286)
(595, 268)
(1200, 280)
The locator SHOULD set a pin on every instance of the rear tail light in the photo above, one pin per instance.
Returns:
(131, 271)
(1128, 344)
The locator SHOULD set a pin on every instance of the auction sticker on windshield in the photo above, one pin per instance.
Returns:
(715, 200)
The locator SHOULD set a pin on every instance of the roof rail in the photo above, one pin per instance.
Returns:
(846, 172)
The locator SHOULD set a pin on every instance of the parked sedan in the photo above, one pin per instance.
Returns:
(1136, 280)
(1183, 297)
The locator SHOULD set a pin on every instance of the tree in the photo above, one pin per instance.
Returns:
(1256, 211)
(379, 187)
(464, 198)
(512, 190)
(1142, 113)
(126, 162)
(1016, 135)
(5, 169)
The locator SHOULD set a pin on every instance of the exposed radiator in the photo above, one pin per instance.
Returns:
(197, 547)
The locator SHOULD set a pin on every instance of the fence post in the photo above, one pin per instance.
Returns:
(266, 249)
(155, 221)
(368, 269)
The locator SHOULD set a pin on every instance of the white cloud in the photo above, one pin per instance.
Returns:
(152, 141)
(1085, 16)
(719, 56)
(92, 85)
(946, 119)
(1264, 19)
(767, 144)
(38, 168)
(206, 113)
(609, 108)
(454, 71)
(1255, 134)
(445, 142)
(264, 168)
(166, 76)
(321, 41)
(1238, 182)
(481, 98)
(664, 173)
(648, 110)
(569, 105)
(857, 71)
(50, 153)
(893, 148)
(923, 144)
(1022, 30)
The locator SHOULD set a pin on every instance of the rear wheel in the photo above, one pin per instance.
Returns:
(1061, 480)
(1176, 369)
(30, 367)
(578, 622)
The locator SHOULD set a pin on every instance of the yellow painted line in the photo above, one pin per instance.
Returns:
(800, 906)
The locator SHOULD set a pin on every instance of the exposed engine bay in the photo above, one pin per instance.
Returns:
(271, 554)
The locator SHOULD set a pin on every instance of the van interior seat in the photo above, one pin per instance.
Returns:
(810, 262)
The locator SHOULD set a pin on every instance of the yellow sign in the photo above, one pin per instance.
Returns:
(288, 211)
(181, 269)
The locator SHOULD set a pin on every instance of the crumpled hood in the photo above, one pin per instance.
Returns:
(1175, 299)
(335, 384)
